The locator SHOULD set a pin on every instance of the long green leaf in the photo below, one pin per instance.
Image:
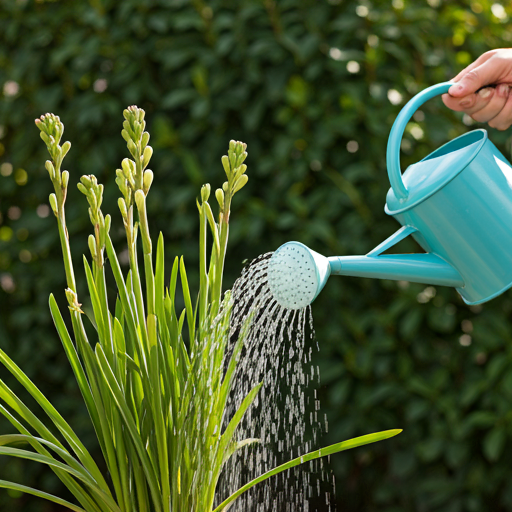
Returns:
(106, 500)
(334, 448)
(40, 494)
(57, 419)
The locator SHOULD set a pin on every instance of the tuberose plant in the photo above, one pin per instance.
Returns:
(155, 380)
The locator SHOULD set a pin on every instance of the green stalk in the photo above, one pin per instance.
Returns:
(66, 250)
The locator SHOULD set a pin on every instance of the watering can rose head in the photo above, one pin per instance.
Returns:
(456, 203)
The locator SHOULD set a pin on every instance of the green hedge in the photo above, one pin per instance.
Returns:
(313, 87)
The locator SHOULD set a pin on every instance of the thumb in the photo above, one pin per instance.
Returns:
(473, 80)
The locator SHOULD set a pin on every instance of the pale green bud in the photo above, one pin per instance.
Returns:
(139, 128)
(53, 204)
(65, 148)
(205, 192)
(225, 164)
(147, 180)
(50, 168)
(82, 189)
(145, 139)
(146, 157)
(86, 180)
(45, 138)
(140, 199)
(128, 167)
(65, 179)
(122, 207)
(131, 134)
(232, 159)
(240, 182)
(240, 170)
(241, 158)
(232, 144)
(225, 186)
(125, 135)
(132, 148)
(99, 194)
(92, 245)
(219, 194)
(108, 222)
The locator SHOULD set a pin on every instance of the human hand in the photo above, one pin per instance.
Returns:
(488, 105)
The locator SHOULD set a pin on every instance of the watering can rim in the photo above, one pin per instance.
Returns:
(407, 205)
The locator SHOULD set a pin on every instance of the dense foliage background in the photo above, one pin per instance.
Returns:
(313, 87)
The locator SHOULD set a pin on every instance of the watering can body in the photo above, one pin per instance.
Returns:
(456, 203)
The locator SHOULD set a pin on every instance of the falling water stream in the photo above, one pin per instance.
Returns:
(286, 415)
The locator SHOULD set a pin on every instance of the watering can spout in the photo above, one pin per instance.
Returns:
(418, 268)
(297, 274)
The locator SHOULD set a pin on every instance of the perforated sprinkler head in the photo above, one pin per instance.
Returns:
(296, 275)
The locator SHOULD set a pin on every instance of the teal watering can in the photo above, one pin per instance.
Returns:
(456, 203)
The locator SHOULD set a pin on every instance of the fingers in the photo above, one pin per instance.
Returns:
(503, 120)
(474, 79)
(494, 105)
(470, 103)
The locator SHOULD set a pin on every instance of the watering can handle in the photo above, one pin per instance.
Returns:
(397, 132)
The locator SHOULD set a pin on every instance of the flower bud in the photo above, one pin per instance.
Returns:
(82, 189)
(50, 168)
(125, 135)
(92, 246)
(132, 148)
(127, 126)
(232, 145)
(65, 148)
(53, 204)
(122, 207)
(65, 179)
(145, 139)
(147, 180)
(240, 182)
(219, 194)
(232, 159)
(205, 192)
(225, 186)
(128, 167)
(241, 158)
(86, 180)
(140, 199)
(225, 164)
(108, 222)
(240, 170)
(146, 157)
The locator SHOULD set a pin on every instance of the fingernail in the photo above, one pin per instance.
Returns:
(485, 93)
(456, 88)
(465, 103)
(503, 90)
